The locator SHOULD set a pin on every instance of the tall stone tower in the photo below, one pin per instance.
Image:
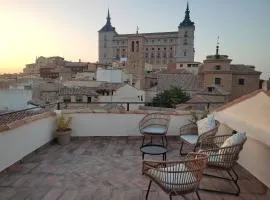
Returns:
(105, 41)
(185, 40)
(136, 62)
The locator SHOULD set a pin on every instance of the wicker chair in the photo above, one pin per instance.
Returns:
(176, 177)
(155, 124)
(189, 134)
(222, 158)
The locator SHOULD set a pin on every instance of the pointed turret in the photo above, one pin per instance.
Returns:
(186, 22)
(108, 26)
(108, 16)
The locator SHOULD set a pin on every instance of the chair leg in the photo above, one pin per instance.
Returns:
(143, 140)
(232, 179)
(194, 149)
(166, 140)
(162, 140)
(170, 197)
(235, 180)
(181, 148)
(150, 182)
(198, 196)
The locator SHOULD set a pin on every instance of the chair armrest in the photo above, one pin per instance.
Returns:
(213, 142)
(210, 133)
(188, 129)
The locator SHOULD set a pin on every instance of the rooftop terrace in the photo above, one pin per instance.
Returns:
(102, 168)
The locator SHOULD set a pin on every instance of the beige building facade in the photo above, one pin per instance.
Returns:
(140, 49)
(237, 79)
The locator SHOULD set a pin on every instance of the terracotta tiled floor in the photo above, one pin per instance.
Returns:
(102, 168)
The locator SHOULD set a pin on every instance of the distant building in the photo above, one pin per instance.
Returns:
(180, 78)
(46, 92)
(109, 75)
(31, 69)
(55, 73)
(76, 67)
(77, 95)
(126, 93)
(139, 49)
(192, 67)
(236, 79)
(56, 67)
(206, 99)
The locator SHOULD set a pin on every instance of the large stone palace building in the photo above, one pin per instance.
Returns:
(139, 49)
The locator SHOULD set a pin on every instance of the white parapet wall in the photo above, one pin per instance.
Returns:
(111, 124)
(21, 141)
(255, 157)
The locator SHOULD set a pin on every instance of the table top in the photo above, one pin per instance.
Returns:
(153, 149)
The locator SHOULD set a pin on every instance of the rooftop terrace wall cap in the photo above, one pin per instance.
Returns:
(14, 122)
(240, 99)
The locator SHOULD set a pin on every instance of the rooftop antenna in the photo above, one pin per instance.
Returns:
(137, 30)
(217, 48)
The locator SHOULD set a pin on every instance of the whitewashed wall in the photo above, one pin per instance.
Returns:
(19, 142)
(126, 93)
(255, 157)
(106, 124)
(109, 75)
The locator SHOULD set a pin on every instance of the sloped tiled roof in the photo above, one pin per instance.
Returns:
(71, 91)
(206, 99)
(186, 81)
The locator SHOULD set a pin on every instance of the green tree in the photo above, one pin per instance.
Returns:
(170, 98)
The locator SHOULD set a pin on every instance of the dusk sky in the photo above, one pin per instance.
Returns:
(68, 28)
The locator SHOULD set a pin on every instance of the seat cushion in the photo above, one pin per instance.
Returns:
(154, 129)
(192, 139)
(213, 157)
(175, 177)
(237, 138)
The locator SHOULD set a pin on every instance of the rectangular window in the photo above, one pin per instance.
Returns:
(218, 67)
(217, 81)
(241, 81)
(210, 89)
(137, 46)
(132, 46)
(189, 65)
(181, 65)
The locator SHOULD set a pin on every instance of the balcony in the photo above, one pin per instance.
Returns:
(103, 161)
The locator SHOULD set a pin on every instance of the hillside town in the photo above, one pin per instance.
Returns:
(147, 111)
(134, 68)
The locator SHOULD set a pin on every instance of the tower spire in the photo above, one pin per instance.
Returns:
(108, 15)
(187, 22)
(108, 26)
